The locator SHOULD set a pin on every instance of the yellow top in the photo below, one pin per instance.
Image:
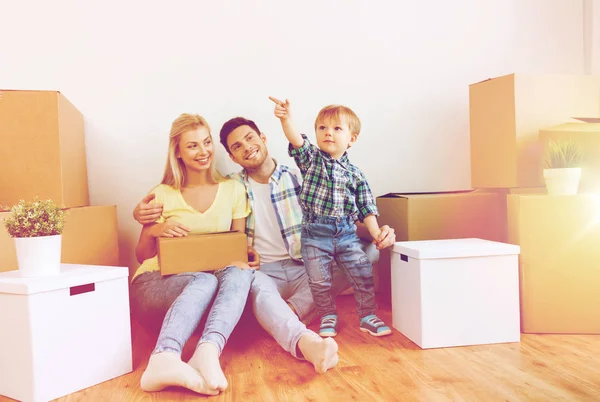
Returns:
(230, 203)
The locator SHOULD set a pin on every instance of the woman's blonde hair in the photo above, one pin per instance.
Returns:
(175, 170)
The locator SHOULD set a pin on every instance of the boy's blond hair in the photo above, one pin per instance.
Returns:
(338, 112)
(175, 169)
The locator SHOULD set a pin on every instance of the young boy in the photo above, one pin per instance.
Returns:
(334, 195)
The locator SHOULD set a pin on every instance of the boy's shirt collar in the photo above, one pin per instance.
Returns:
(344, 159)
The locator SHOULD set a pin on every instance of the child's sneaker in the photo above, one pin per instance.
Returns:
(374, 326)
(328, 325)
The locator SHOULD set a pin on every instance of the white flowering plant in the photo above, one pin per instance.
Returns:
(35, 218)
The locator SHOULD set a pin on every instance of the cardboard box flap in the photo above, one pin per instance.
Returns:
(71, 275)
(454, 248)
(588, 119)
(428, 194)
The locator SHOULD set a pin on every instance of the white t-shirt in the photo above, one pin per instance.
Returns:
(268, 241)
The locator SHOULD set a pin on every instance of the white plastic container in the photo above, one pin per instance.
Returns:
(63, 333)
(456, 292)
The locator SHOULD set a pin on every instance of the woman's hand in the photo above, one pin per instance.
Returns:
(253, 258)
(170, 228)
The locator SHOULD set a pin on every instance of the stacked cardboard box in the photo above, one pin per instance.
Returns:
(43, 155)
(436, 216)
(558, 235)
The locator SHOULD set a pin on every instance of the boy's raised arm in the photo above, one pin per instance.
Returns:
(283, 113)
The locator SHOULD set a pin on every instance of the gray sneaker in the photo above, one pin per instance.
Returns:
(374, 326)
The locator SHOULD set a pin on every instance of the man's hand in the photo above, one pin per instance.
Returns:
(253, 258)
(170, 229)
(386, 237)
(145, 212)
(282, 109)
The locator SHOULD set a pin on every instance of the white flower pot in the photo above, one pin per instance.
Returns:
(562, 181)
(38, 256)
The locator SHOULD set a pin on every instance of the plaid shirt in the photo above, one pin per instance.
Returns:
(332, 187)
(285, 185)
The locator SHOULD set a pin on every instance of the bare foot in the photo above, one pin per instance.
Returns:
(166, 369)
(206, 361)
(322, 353)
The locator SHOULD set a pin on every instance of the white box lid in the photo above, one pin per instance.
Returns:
(454, 248)
(70, 275)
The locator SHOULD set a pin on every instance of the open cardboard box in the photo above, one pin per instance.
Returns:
(200, 252)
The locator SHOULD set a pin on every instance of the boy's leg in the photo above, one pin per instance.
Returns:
(302, 298)
(355, 262)
(340, 279)
(352, 259)
(275, 316)
(234, 286)
(318, 255)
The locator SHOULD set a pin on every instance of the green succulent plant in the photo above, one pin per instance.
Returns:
(564, 154)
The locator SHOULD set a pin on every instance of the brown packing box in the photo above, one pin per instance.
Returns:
(587, 136)
(435, 216)
(42, 150)
(506, 114)
(559, 261)
(200, 252)
(89, 237)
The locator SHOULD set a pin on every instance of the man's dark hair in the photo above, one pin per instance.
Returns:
(231, 125)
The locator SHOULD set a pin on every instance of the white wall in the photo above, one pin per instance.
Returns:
(592, 36)
(404, 66)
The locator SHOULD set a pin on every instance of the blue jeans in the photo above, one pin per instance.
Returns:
(274, 315)
(291, 280)
(151, 292)
(326, 240)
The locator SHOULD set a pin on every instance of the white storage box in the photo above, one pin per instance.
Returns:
(456, 292)
(63, 333)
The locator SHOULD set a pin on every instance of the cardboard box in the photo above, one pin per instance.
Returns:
(560, 252)
(587, 136)
(200, 252)
(436, 216)
(506, 114)
(90, 237)
(43, 148)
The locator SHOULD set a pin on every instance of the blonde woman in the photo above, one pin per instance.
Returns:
(195, 199)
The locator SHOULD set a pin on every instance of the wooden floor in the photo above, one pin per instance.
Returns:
(540, 368)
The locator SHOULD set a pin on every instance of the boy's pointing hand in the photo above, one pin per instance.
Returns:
(282, 109)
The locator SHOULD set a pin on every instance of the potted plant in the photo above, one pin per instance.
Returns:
(37, 227)
(564, 168)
